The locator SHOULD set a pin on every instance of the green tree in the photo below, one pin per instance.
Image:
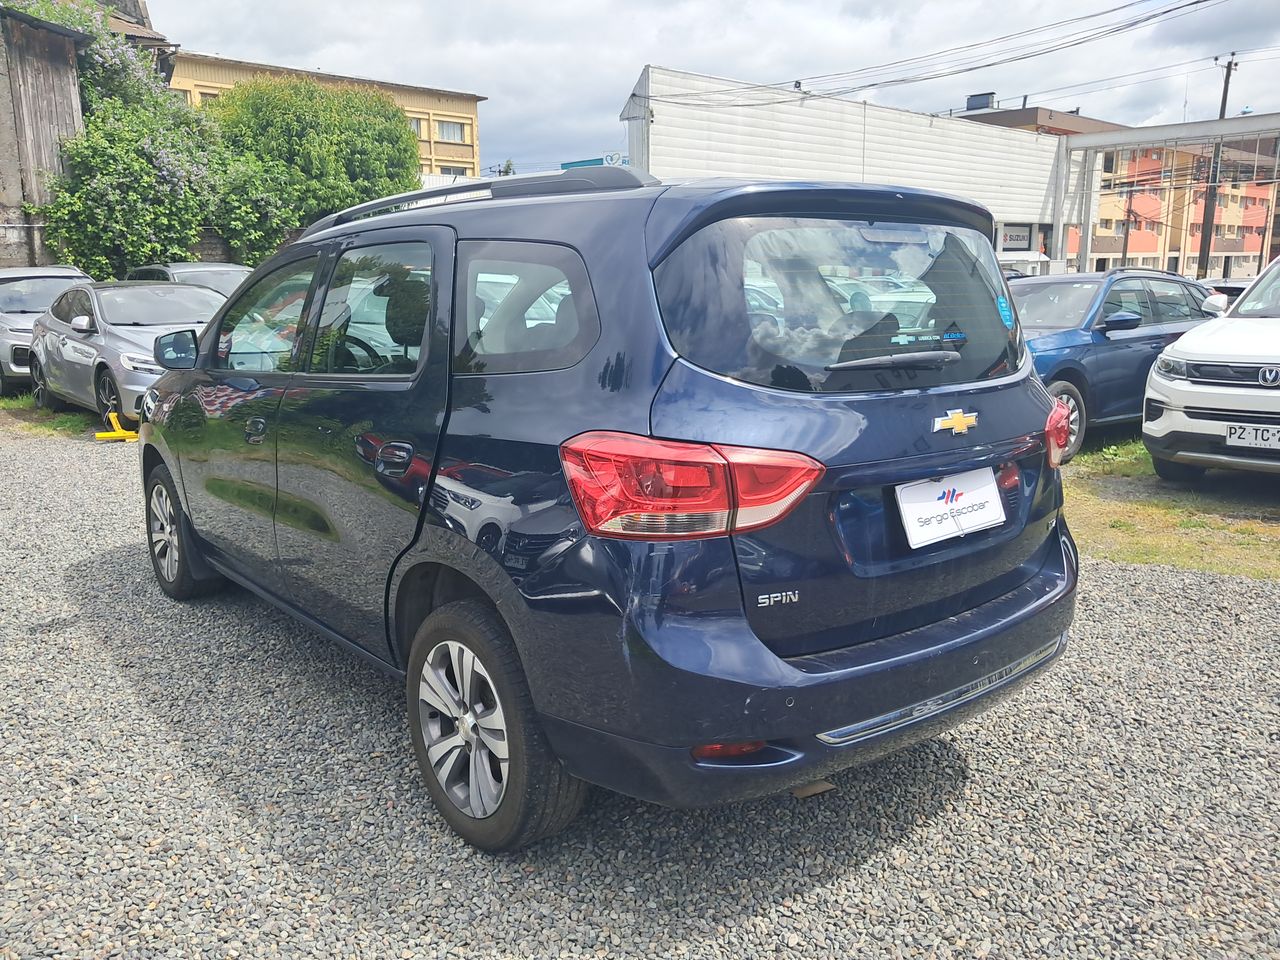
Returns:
(341, 145)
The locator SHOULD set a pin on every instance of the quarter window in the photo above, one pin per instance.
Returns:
(258, 331)
(376, 312)
(528, 306)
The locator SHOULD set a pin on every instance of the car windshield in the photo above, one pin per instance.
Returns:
(159, 305)
(1263, 298)
(223, 279)
(826, 330)
(32, 294)
(1046, 306)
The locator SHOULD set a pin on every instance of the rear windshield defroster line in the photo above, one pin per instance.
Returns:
(788, 302)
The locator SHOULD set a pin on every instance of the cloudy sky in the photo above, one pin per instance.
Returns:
(557, 72)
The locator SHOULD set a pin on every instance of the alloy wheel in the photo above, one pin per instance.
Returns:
(1073, 415)
(464, 729)
(39, 389)
(108, 399)
(162, 524)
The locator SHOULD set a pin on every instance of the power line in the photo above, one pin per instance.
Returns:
(944, 69)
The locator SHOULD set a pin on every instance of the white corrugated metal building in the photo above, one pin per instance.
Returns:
(688, 126)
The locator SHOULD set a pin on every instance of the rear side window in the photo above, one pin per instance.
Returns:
(794, 303)
(525, 307)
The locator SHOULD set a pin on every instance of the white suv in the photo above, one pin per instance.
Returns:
(1213, 397)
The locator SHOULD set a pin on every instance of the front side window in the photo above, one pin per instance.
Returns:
(829, 331)
(376, 312)
(1128, 296)
(259, 329)
(527, 307)
(1170, 301)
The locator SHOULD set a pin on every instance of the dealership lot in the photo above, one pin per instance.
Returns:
(214, 780)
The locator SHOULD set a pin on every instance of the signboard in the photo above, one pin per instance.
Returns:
(1015, 236)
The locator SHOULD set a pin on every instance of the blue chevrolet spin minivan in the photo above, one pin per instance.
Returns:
(532, 446)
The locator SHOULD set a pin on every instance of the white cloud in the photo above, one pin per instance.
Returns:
(557, 72)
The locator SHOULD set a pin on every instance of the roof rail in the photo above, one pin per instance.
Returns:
(1167, 273)
(575, 180)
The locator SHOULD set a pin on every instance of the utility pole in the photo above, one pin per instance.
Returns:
(1211, 188)
(1128, 220)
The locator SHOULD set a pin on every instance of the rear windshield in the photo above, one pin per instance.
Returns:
(1052, 304)
(225, 281)
(779, 301)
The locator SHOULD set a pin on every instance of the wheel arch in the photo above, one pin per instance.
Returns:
(1077, 378)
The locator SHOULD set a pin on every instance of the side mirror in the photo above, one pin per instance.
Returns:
(1216, 304)
(1120, 320)
(81, 324)
(177, 351)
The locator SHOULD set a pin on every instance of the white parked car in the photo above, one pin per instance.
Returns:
(1213, 397)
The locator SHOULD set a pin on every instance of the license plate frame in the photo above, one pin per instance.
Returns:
(951, 506)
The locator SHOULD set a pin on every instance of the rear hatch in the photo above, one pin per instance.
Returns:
(916, 396)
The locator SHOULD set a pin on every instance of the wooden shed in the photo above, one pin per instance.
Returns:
(39, 108)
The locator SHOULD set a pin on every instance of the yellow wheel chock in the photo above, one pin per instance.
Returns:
(118, 432)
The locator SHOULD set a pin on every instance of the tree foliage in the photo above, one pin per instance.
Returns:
(342, 145)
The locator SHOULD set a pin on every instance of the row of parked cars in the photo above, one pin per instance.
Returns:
(1149, 346)
(73, 341)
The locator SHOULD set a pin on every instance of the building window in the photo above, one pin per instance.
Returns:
(208, 97)
(451, 131)
(415, 124)
(1105, 224)
(454, 171)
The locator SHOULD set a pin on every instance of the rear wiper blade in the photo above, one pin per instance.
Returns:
(921, 360)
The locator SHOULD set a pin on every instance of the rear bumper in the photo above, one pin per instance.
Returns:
(828, 712)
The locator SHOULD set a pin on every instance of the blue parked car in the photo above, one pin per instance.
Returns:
(1094, 336)
(725, 551)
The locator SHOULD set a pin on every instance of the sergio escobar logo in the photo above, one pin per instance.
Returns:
(954, 513)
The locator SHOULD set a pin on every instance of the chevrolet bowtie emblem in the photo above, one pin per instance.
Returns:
(957, 421)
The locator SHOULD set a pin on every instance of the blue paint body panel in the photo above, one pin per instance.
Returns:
(636, 651)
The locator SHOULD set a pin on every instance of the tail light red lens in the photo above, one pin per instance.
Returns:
(1057, 433)
(642, 488)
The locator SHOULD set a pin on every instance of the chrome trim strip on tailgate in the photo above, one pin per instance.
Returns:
(928, 708)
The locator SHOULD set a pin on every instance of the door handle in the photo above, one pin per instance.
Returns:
(394, 459)
(255, 429)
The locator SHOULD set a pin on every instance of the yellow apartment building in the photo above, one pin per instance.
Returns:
(446, 122)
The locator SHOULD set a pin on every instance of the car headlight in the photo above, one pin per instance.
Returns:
(471, 503)
(139, 363)
(1171, 368)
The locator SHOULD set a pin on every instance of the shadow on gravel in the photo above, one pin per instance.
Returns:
(299, 749)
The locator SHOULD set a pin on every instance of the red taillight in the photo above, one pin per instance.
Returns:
(1057, 433)
(725, 751)
(642, 488)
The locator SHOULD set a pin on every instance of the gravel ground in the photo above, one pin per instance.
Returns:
(213, 780)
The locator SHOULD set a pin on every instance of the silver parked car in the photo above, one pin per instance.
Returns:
(94, 347)
(25, 293)
(223, 277)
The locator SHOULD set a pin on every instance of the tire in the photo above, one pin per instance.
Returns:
(1176, 472)
(167, 541)
(489, 538)
(45, 398)
(106, 394)
(491, 806)
(1068, 394)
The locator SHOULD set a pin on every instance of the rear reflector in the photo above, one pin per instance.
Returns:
(642, 488)
(1057, 433)
(725, 751)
